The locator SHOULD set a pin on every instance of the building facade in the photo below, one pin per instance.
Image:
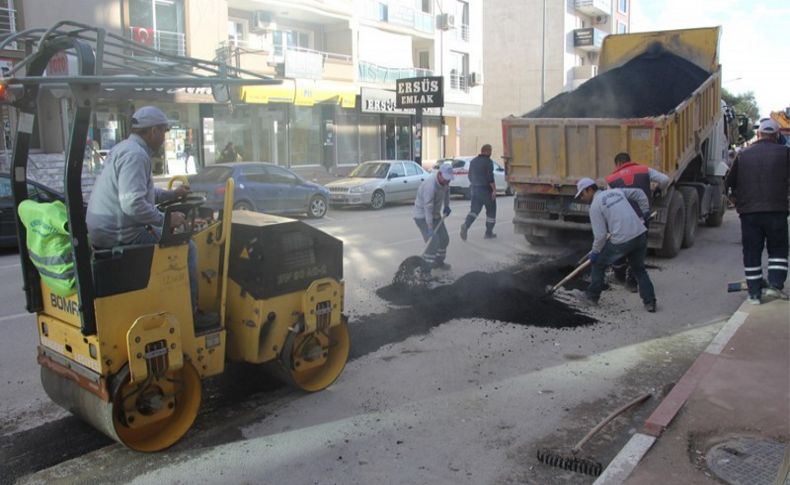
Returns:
(337, 59)
(534, 50)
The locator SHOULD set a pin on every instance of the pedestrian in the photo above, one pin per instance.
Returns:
(758, 186)
(636, 176)
(434, 192)
(122, 208)
(618, 232)
(229, 153)
(483, 191)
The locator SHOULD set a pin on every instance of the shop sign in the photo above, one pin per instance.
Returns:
(420, 92)
(303, 65)
(170, 95)
(383, 101)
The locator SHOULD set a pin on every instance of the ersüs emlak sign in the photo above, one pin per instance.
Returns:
(419, 92)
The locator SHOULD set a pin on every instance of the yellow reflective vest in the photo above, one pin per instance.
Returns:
(49, 244)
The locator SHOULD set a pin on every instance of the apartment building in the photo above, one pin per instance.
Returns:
(532, 51)
(337, 59)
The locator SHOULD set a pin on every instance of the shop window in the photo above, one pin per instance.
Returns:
(369, 137)
(306, 148)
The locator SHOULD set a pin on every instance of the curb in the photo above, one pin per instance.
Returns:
(637, 447)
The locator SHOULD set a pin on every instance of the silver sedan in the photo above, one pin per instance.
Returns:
(376, 183)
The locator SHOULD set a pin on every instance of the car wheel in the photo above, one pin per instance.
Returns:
(316, 209)
(378, 200)
(243, 205)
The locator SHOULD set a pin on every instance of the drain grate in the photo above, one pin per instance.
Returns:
(746, 460)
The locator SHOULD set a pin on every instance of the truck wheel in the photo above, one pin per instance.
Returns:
(673, 232)
(550, 239)
(691, 201)
(715, 219)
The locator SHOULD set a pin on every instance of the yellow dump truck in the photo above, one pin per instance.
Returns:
(657, 97)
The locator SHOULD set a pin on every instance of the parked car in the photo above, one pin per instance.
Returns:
(35, 190)
(261, 187)
(460, 183)
(376, 183)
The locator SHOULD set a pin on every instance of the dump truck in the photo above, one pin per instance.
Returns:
(658, 97)
(117, 344)
(783, 118)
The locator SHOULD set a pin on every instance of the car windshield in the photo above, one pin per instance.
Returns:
(213, 174)
(371, 170)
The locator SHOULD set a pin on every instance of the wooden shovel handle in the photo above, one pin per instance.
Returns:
(572, 275)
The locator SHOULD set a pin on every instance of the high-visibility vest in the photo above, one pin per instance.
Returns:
(49, 244)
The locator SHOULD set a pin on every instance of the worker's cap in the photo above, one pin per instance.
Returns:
(149, 116)
(446, 169)
(583, 184)
(768, 126)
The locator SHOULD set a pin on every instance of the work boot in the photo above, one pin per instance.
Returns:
(755, 300)
(774, 292)
(489, 235)
(464, 230)
(651, 306)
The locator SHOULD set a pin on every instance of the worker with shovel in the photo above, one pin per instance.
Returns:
(611, 214)
(434, 192)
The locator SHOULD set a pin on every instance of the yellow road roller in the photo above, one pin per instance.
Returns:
(121, 350)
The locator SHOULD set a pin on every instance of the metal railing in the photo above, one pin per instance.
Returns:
(373, 73)
(8, 18)
(463, 32)
(459, 82)
(173, 43)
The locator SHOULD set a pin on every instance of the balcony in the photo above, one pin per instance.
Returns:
(463, 32)
(397, 14)
(459, 82)
(594, 8)
(292, 62)
(589, 39)
(173, 43)
(8, 20)
(373, 73)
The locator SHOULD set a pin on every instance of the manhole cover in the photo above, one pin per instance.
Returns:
(747, 461)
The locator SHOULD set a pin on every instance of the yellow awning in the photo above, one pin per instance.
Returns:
(274, 93)
(302, 92)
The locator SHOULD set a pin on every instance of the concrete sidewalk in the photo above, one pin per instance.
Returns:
(728, 419)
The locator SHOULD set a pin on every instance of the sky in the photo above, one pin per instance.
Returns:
(754, 46)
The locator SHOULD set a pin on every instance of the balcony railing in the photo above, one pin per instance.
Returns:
(459, 82)
(8, 19)
(265, 58)
(373, 73)
(398, 14)
(463, 32)
(173, 43)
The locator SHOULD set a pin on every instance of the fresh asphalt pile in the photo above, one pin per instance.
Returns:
(516, 298)
(651, 84)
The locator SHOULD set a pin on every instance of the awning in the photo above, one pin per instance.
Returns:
(302, 92)
(274, 93)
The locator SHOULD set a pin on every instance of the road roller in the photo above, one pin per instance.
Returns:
(121, 350)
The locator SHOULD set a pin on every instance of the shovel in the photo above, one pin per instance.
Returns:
(407, 270)
(551, 289)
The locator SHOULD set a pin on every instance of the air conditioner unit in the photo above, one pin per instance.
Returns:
(445, 21)
(601, 19)
(261, 21)
(475, 78)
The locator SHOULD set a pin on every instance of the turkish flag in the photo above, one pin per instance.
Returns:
(143, 35)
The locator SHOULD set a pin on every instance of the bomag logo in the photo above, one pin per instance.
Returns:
(69, 306)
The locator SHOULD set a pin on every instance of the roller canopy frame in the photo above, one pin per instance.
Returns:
(99, 55)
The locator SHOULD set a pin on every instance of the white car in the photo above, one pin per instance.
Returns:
(376, 183)
(460, 184)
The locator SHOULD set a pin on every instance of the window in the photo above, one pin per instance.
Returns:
(281, 176)
(424, 59)
(286, 39)
(621, 28)
(382, 12)
(622, 6)
(462, 19)
(426, 6)
(235, 32)
(396, 170)
(459, 71)
(413, 169)
(165, 20)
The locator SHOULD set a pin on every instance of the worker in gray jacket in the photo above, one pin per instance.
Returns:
(434, 192)
(617, 232)
(122, 208)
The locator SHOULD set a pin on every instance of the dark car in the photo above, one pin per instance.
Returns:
(36, 191)
(261, 187)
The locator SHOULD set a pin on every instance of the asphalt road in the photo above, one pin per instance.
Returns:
(425, 399)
